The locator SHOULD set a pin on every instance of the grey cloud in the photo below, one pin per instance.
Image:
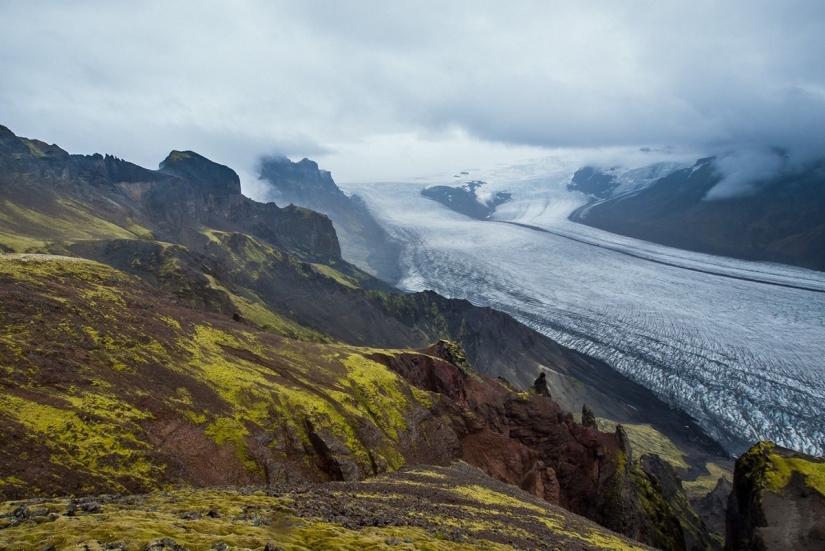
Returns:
(744, 170)
(329, 79)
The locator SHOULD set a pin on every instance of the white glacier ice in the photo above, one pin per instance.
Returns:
(739, 345)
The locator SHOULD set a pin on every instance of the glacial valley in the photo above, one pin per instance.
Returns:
(739, 345)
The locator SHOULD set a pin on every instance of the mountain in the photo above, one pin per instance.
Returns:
(161, 329)
(363, 240)
(780, 221)
(465, 200)
(777, 502)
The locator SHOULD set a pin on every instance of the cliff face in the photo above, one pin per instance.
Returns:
(777, 502)
(528, 441)
(174, 204)
(363, 241)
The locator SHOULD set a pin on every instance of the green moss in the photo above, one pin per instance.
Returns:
(646, 439)
(706, 483)
(488, 496)
(667, 531)
(379, 390)
(257, 312)
(334, 274)
(95, 433)
(780, 469)
(65, 220)
(22, 244)
(243, 521)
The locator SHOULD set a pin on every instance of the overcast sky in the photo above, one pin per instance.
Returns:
(383, 90)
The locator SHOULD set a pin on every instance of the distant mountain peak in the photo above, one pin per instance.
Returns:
(198, 169)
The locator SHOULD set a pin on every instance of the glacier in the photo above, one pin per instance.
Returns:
(738, 345)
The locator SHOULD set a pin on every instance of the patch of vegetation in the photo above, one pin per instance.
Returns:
(200, 519)
(66, 220)
(704, 484)
(645, 439)
(98, 435)
(332, 273)
(100, 330)
(781, 467)
(667, 531)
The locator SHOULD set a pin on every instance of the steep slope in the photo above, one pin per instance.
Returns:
(779, 222)
(50, 196)
(109, 385)
(188, 230)
(240, 376)
(363, 241)
(112, 386)
(777, 502)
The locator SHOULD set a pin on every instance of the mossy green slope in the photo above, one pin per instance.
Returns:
(438, 509)
(109, 385)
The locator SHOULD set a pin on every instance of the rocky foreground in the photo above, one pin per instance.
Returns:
(436, 508)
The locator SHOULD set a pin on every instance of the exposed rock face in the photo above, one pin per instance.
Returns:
(464, 200)
(588, 418)
(174, 202)
(593, 182)
(662, 473)
(712, 508)
(540, 386)
(528, 441)
(777, 502)
(363, 241)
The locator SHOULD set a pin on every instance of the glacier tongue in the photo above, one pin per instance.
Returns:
(739, 345)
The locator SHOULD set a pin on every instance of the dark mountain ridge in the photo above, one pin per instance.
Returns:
(779, 221)
(363, 241)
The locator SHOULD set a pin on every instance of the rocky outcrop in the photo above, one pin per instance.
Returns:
(777, 502)
(712, 508)
(664, 476)
(463, 199)
(528, 441)
(173, 204)
(363, 241)
(588, 418)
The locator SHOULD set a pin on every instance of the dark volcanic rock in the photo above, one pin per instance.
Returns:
(215, 179)
(588, 418)
(174, 203)
(363, 241)
(696, 536)
(713, 507)
(593, 182)
(465, 201)
(777, 502)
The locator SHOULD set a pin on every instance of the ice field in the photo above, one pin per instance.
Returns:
(739, 345)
